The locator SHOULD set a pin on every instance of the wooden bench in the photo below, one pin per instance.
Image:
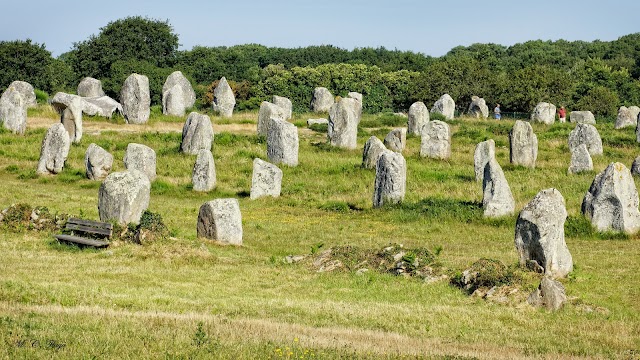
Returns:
(81, 226)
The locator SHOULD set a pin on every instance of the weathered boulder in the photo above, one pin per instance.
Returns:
(269, 111)
(373, 148)
(284, 103)
(177, 78)
(197, 134)
(523, 145)
(612, 201)
(580, 160)
(123, 197)
(343, 123)
(586, 134)
(485, 151)
(418, 118)
(13, 111)
(635, 167)
(266, 180)
(135, 97)
(550, 294)
(282, 142)
(26, 90)
(582, 117)
(436, 140)
(396, 139)
(54, 150)
(478, 108)
(97, 162)
(203, 176)
(173, 101)
(223, 99)
(627, 116)
(90, 87)
(391, 179)
(445, 106)
(322, 100)
(539, 234)
(142, 158)
(358, 97)
(71, 119)
(311, 122)
(544, 113)
(497, 199)
(220, 220)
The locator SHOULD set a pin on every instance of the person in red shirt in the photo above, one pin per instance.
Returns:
(562, 114)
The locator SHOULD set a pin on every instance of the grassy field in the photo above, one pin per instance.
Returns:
(185, 297)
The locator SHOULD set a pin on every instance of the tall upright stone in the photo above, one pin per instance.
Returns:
(391, 179)
(142, 158)
(580, 160)
(173, 101)
(284, 103)
(135, 97)
(177, 78)
(13, 111)
(523, 145)
(322, 100)
(445, 106)
(611, 204)
(223, 99)
(544, 113)
(90, 87)
(269, 111)
(436, 140)
(540, 234)
(582, 117)
(266, 180)
(71, 119)
(484, 152)
(220, 220)
(478, 108)
(358, 97)
(396, 139)
(54, 150)
(26, 90)
(123, 197)
(97, 162)
(343, 123)
(497, 199)
(627, 116)
(203, 177)
(197, 134)
(373, 148)
(586, 134)
(418, 118)
(282, 143)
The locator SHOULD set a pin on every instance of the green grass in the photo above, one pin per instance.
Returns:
(184, 297)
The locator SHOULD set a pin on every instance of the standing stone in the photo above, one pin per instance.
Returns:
(343, 123)
(373, 148)
(436, 140)
(580, 160)
(550, 294)
(418, 118)
(269, 111)
(485, 151)
(177, 78)
(13, 111)
(123, 197)
(282, 143)
(358, 97)
(627, 116)
(523, 145)
(197, 134)
(173, 101)
(97, 162)
(540, 234)
(635, 167)
(223, 99)
(445, 106)
(391, 179)
(71, 119)
(322, 100)
(142, 158)
(284, 103)
(396, 139)
(98, 106)
(90, 87)
(478, 108)
(136, 99)
(582, 117)
(544, 113)
(220, 220)
(586, 134)
(26, 90)
(612, 201)
(203, 176)
(497, 199)
(54, 150)
(266, 180)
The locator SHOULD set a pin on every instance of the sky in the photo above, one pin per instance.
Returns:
(428, 27)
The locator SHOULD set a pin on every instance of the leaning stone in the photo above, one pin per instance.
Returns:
(311, 122)
(54, 150)
(90, 87)
(188, 94)
(26, 90)
(544, 113)
(266, 180)
(71, 119)
(203, 176)
(523, 145)
(418, 118)
(635, 167)
(197, 134)
(586, 134)
(497, 199)
(97, 162)
(540, 233)
(135, 97)
(223, 99)
(478, 108)
(550, 294)
(269, 111)
(391, 179)
(396, 139)
(580, 160)
(627, 116)
(284, 103)
(485, 151)
(220, 220)
(142, 158)
(282, 142)
(322, 100)
(612, 201)
(123, 197)
(436, 140)
(343, 123)
(13, 111)
(173, 101)
(582, 117)
(445, 106)
(373, 148)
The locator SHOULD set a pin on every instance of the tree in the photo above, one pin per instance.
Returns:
(25, 61)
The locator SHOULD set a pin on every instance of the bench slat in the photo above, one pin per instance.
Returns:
(89, 229)
(95, 224)
(82, 241)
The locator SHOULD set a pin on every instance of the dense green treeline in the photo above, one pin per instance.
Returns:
(598, 76)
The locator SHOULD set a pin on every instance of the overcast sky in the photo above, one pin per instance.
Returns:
(429, 27)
